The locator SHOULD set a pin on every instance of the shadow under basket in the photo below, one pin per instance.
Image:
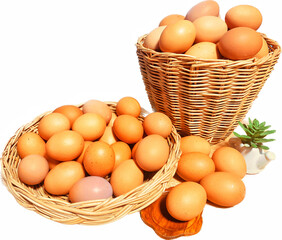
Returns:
(204, 97)
(60, 209)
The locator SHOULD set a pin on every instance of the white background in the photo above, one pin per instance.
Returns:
(66, 52)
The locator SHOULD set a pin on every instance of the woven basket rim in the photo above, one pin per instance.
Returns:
(93, 212)
(275, 50)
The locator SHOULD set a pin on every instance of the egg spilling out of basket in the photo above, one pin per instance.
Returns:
(204, 71)
(92, 140)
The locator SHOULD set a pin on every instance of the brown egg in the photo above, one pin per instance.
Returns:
(224, 189)
(90, 188)
(111, 122)
(65, 145)
(194, 144)
(99, 107)
(209, 29)
(134, 148)
(128, 106)
(157, 123)
(33, 169)
(243, 16)
(186, 201)
(264, 51)
(240, 43)
(52, 162)
(62, 177)
(205, 50)
(99, 159)
(30, 143)
(126, 177)
(204, 8)
(151, 41)
(70, 111)
(128, 129)
(194, 166)
(51, 124)
(152, 153)
(172, 18)
(178, 37)
(228, 159)
(90, 126)
(81, 156)
(122, 152)
(108, 136)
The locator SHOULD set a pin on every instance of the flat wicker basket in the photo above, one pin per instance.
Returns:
(204, 97)
(59, 209)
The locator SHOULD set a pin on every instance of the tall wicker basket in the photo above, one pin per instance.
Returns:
(204, 97)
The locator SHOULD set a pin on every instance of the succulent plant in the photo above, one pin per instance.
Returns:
(255, 134)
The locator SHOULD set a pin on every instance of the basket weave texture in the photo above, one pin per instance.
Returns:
(59, 209)
(204, 97)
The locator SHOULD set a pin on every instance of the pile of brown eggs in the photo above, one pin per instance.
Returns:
(203, 34)
(94, 152)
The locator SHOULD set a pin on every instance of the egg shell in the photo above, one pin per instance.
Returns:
(178, 37)
(228, 159)
(195, 166)
(109, 136)
(152, 153)
(30, 143)
(99, 107)
(122, 152)
(204, 8)
(70, 111)
(240, 43)
(243, 16)
(52, 162)
(204, 50)
(113, 118)
(99, 159)
(157, 123)
(151, 41)
(90, 188)
(33, 169)
(65, 145)
(126, 177)
(224, 189)
(134, 148)
(61, 178)
(194, 143)
(81, 156)
(128, 106)
(209, 29)
(172, 18)
(51, 124)
(264, 51)
(128, 129)
(90, 126)
(186, 201)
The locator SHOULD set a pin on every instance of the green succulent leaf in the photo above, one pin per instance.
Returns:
(262, 140)
(254, 145)
(265, 127)
(256, 123)
(261, 134)
(264, 147)
(262, 125)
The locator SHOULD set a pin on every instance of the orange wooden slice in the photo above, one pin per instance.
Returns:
(157, 217)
